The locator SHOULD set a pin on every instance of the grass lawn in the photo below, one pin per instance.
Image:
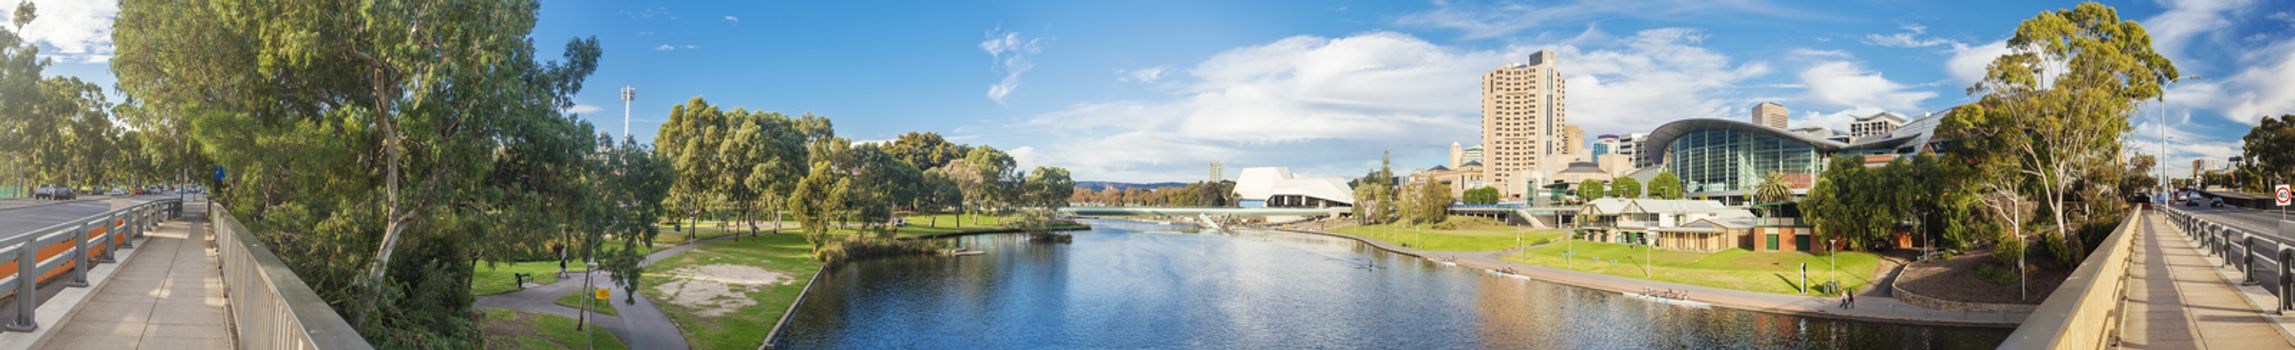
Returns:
(499, 279)
(574, 300)
(745, 327)
(1768, 272)
(506, 329)
(1472, 234)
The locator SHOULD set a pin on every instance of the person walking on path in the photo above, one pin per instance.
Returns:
(1852, 295)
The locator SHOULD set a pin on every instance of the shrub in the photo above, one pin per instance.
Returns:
(2008, 250)
(2066, 252)
(856, 248)
(1996, 274)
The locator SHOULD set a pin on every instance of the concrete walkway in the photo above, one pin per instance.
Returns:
(2179, 300)
(1870, 305)
(168, 296)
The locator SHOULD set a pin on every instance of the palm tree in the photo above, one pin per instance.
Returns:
(1773, 189)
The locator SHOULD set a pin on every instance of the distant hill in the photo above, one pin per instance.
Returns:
(1098, 185)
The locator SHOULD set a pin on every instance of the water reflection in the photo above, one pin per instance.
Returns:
(1134, 285)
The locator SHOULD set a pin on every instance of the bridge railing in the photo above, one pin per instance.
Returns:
(67, 250)
(271, 308)
(2249, 252)
(2084, 312)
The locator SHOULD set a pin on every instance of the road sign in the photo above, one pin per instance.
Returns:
(2285, 197)
(603, 293)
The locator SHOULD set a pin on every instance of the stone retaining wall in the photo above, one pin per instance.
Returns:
(1897, 289)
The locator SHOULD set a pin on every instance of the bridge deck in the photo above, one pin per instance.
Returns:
(169, 296)
(2178, 300)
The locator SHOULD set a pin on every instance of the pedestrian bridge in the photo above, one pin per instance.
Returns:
(1195, 211)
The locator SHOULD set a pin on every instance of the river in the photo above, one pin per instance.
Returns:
(1133, 285)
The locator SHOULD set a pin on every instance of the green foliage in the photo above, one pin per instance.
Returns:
(1997, 274)
(2009, 251)
(2053, 110)
(1665, 186)
(1626, 187)
(2265, 147)
(378, 148)
(1480, 195)
(1426, 202)
(817, 197)
(1852, 203)
(1376, 199)
(1590, 190)
(1773, 189)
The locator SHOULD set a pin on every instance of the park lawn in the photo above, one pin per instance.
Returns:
(743, 328)
(1472, 237)
(507, 329)
(1739, 269)
(574, 300)
(500, 279)
(949, 220)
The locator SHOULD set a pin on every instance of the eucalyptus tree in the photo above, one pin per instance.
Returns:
(764, 157)
(690, 140)
(990, 184)
(936, 193)
(1049, 188)
(360, 124)
(629, 182)
(2057, 103)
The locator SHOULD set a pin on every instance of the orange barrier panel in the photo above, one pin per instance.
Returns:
(8, 268)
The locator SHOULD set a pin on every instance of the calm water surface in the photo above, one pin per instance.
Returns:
(1131, 285)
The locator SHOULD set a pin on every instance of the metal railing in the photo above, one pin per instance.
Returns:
(67, 250)
(2084, 312)
(271, 308)
(2248, 252)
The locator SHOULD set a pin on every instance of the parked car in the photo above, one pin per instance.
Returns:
(2215, 202)
(118, 191)
(53, 192)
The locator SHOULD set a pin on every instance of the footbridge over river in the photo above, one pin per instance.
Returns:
(1198, 211)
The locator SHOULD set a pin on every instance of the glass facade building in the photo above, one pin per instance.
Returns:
(1727, 160)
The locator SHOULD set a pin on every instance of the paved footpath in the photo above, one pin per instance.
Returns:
(1871, 305)
(641, 325)
(2182, 301)
(169, 295)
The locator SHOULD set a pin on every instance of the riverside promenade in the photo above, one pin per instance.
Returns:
(168, 294)
(2182, 299)
(1871, 306)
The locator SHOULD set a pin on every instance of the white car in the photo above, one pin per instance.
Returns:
(118, 192)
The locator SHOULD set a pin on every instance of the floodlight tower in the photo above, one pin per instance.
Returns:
(628, 93)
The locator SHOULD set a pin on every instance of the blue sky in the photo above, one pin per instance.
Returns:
(1152, 91)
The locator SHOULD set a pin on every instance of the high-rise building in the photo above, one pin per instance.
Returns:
(1880, 124)
(1523, 123)
(1457, 155)
(1573, 143)
(1770, 114)
(1472, 155)
(1605, 144)
(1630, 147)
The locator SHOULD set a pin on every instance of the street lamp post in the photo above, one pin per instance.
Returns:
(588, 304)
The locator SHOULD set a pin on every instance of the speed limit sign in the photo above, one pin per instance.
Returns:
(2285, 197)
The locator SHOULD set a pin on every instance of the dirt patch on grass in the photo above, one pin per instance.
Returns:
(1955, 280)
(716, 290)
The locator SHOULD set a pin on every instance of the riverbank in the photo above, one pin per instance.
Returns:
(1872, 306)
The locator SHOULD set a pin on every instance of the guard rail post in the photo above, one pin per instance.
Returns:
(2249, 266)
(118, 223)
(27, 288)
(2286, 284)
(136, 219)
(79, 257)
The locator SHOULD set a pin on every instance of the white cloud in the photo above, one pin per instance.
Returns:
(1324, 105)
(1837, 120)
(2184, 20)
(2264, 85)
(1010, 52)
(1489, 20)
(73, 30)
(1815, 53)
(733, 19)
(1968, 63)
(668, 47)
(1844, 84)
(584, 109)
(1142, 75)
(1910, 37)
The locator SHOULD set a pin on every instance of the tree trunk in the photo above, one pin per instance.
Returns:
(394, 224)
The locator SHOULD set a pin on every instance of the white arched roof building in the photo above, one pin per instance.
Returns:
(1278, 187)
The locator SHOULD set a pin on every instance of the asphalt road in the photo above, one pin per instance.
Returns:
(2264, 223)
(23, 220)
